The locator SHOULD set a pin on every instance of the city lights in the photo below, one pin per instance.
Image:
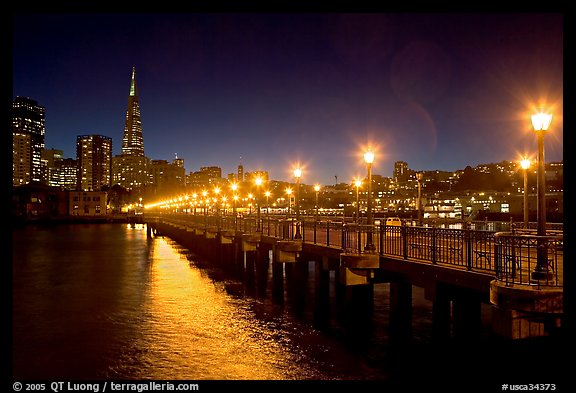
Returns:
(399, 157)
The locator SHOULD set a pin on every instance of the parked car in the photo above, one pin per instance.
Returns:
(393, 221)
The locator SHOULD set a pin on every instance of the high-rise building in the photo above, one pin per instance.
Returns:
(130, 167)
(240, 178)
(133, 142)
(50, 160)
(207, 176)
(94, 155)
(67, 173)
(167, 177)
(28, 129)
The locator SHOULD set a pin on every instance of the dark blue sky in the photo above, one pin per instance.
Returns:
(440, 91)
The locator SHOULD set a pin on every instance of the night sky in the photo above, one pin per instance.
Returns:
(439, 91)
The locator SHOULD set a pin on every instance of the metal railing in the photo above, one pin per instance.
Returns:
(483, 251)
(527, 259)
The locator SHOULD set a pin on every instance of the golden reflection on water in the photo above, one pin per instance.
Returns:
(193, 329)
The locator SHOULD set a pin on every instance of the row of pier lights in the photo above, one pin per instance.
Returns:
(540, 121)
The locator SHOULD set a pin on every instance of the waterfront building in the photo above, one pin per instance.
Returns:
(87, 203)
(36, 200)
(28, 129)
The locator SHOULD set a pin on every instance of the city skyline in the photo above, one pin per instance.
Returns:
(224, 89)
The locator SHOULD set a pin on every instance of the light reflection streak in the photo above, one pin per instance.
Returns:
(194, 329)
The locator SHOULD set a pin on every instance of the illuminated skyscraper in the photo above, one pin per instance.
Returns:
(240, 173)
(130, 167)
(94, 155)
(132, 142)
(28, 128)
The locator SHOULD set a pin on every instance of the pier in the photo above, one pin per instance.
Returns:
(458, 269)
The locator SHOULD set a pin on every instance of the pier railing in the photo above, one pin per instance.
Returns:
(510, 256)
(529, 259)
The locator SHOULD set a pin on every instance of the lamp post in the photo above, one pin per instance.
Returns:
(250, 197)
(525, 164)
(235, 197)
(541, 122)
(205, 194)
(369, 159)
(357, 183)
(289, 193)
(224, 205)
(258, 182)
(298, 174)
(419, 177)
(267, 193)
(317, 189)
(217, 193)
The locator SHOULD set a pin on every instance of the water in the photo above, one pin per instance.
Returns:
(102, 301)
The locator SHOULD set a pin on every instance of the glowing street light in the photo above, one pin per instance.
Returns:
(204, 194)
(369, 159)
(234, 187)
(258, 182)
(297, 175)
(289, 193)
(217, 193)
(317, 189)
(250, 197)
(525, 164)
(541, 121)
(267, 194)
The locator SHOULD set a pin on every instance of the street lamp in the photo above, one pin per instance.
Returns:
(234, 187)
(297, 174)
(205, 200)
(289, 193)
(204, 194)
(258, 182)
(217, 193)
(369, 159)
(317, 189)
(224, 200)
(267, 193)
(541, 122)
(419, 177)
(250, 197)
(525, 164)
(357, 183)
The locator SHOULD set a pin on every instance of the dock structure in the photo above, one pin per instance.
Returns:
(458, 269)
